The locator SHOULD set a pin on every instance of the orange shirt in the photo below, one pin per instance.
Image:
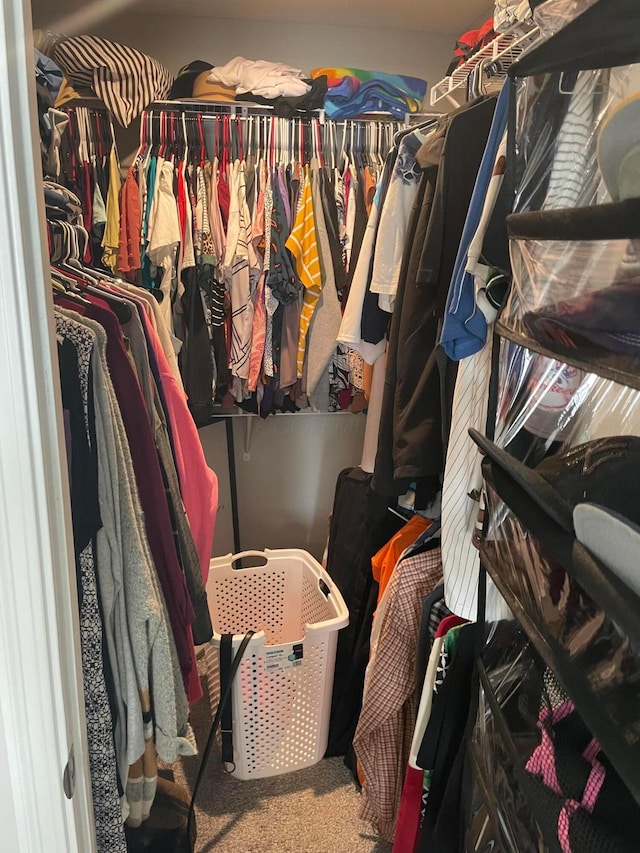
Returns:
(383, 563)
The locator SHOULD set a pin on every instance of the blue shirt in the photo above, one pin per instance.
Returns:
(464, 331)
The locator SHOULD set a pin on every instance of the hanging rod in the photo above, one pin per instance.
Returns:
(232, 108)
(246, 108)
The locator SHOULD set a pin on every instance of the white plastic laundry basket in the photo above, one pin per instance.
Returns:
(282, 692)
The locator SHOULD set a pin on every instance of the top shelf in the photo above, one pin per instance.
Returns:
(506, 47)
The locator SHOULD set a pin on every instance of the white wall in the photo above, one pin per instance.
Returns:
(287, 483)
(214, 444)
(176, 40)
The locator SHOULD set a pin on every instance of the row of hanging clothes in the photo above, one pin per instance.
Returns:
(250, 226)
(401, 703)
(471, 270)
(143, 506)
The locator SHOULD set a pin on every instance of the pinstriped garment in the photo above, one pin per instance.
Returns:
(574, 176)
(303, 245)
(462, 477)
(125, 79)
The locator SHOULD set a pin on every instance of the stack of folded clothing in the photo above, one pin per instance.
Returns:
(267, 79)
(353, 92)
(260, 82)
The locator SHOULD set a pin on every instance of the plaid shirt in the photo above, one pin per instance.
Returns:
(383, 737)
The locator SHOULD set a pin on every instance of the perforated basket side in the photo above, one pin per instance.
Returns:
(249, 601)
(278, 715)
(315, 607)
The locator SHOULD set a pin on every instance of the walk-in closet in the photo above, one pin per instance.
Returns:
(319, 444)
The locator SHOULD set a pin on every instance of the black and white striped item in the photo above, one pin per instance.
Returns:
(125, 79)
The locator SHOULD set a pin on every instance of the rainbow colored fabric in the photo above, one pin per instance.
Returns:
(354, 91)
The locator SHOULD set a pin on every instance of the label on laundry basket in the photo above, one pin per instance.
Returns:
(284, 657)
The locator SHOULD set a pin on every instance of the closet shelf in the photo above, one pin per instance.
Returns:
(507, 47)
(604, 367)
(609, 716)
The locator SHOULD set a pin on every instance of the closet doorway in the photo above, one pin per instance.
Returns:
(42, 740)
(44, 749)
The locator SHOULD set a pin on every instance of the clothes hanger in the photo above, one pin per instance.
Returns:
(250, 142)
(83, 277)
(203, 146)
(172, 148)
(163, 140)
(66, 286)
(292, 136)
(216, 131)
(225, 146)
(83, 153)
(185, 137)
(142, 145)
(241, 153)
(189, 141)
(397, 513)
(335, 153)
(344, 160)
(272, 143)
(119, 306)
(91, 143)
(57, 285)
(72, 297)
(262, 131)
(360, 149)
(153, 136)
(60, 279)
(379, 145)
(72, 131)
(303, 143)
(311, 143)
(319, 147)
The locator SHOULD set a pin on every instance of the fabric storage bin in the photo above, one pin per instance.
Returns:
(282, 693)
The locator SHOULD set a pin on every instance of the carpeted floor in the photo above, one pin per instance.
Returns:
(310, 811)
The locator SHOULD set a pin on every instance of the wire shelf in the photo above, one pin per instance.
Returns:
(507, 47)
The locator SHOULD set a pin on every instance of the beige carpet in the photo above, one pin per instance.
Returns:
(310, 811)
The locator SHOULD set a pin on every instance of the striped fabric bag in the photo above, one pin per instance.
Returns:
(125, 79)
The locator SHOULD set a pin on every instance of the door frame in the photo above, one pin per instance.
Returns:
(41, 700)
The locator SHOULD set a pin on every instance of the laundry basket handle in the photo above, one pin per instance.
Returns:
(236, 558)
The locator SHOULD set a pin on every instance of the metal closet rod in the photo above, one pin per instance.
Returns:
(247, 108)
